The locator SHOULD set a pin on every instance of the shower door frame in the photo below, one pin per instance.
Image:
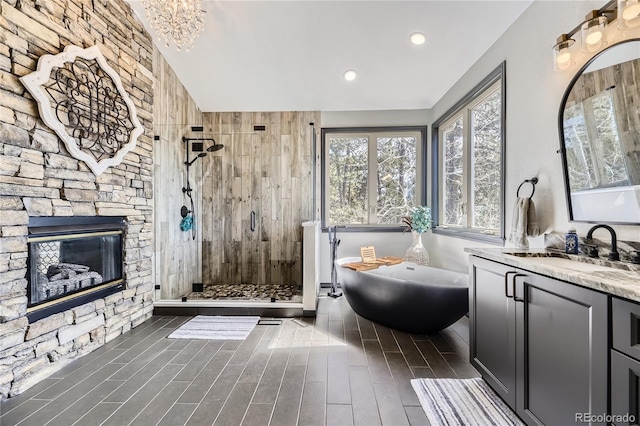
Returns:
(268, 172)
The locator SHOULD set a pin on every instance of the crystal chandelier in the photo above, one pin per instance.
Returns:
(176, 21)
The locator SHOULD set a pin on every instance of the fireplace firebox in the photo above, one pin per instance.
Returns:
(73, 260)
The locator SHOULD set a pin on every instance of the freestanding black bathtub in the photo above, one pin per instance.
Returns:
(407, 297)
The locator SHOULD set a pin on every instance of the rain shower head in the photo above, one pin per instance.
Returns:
(198, 145)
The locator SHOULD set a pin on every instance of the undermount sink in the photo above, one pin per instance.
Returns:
(573, 262)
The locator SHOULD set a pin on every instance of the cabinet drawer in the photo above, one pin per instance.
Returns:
(626, 327)
(625, 389)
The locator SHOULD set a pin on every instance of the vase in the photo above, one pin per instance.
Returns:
(416, 253)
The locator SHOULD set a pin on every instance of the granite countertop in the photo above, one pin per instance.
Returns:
(623, 280)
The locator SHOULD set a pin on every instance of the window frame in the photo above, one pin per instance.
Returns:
(385, 131)
(468, 101)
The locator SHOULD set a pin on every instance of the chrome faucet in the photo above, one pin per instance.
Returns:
(613, 254)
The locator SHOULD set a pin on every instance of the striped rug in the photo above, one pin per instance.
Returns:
(462, 402)
(216, 328)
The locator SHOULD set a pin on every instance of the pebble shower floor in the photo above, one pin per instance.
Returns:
(252, 292)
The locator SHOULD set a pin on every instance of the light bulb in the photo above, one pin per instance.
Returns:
(350, 75)
(563, 58)
(631, 12)
(594, 37)
(417, 38)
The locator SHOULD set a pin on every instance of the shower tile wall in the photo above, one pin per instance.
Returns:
(268, 172)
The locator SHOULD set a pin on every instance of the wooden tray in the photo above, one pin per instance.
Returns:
(391, 260)
(373, 264)
(361, 266)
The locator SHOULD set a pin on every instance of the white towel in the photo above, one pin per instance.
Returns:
(519, 223)
(533, 229)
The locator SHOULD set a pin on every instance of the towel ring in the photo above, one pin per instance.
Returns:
(533, 182)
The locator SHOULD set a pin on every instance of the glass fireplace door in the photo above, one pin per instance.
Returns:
(66, 264)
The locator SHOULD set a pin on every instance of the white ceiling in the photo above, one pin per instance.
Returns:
(291, 55)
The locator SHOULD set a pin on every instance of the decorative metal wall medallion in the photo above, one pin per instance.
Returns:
(81, 98)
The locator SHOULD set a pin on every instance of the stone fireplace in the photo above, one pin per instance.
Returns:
(40, 180)
(72, 261)
(60, 302)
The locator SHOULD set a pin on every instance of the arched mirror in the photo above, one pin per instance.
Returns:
(599, 124)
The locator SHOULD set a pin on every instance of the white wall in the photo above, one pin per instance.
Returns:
(405, 117)
(534, 93)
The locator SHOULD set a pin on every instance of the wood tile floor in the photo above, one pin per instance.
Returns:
(336, 369)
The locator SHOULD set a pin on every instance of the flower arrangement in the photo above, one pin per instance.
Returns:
(419, 219)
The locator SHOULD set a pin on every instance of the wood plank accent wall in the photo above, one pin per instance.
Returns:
(176, 255)
(268, 172)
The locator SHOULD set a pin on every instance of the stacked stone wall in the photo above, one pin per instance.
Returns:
(38, 177)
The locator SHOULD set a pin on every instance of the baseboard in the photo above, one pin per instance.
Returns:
(206, 310)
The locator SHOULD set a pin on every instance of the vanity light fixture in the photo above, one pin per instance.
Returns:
(350, 75)
(592, 31)
(418, 38)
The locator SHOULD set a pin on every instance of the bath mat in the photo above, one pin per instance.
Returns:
(462, 402)
(215, 328)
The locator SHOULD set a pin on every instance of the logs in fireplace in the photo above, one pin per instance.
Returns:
(73, 260)
(63, 278)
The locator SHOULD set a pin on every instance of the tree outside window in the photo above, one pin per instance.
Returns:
(595, 156)
(370, 175)
(469, 139)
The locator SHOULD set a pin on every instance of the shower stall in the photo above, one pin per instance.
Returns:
(245, 183)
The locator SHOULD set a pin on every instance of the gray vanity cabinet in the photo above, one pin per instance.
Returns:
(492, 327)
(561, 350)
(625, 362)
(625, 399)
(539, 341)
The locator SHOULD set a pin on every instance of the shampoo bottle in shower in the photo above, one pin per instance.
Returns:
(571, 242)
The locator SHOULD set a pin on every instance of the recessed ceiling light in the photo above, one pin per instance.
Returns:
(417, 38)
(350, 75)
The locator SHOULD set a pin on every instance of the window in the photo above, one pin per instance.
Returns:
(371, 176)
(468, 191)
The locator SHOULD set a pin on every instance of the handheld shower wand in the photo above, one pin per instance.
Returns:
(189, 163)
